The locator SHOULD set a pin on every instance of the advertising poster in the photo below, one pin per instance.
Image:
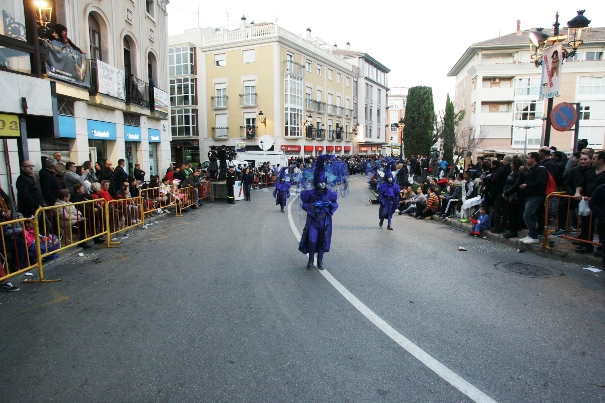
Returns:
(161, 100)
(66, 64)
(552, 63)
(111, 81)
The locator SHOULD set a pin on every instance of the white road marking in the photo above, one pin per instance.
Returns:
(438, 368)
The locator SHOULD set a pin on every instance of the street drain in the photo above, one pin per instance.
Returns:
(530, 270)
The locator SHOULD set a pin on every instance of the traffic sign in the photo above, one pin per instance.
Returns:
(563, 116)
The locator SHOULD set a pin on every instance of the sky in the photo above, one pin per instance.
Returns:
(420, 42)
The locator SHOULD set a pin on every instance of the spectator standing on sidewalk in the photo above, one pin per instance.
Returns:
(499, 203)
(247, 181)
(591, 180)
(60, 168)
(570, 184)
(533, 189)
(597, 206)
(514, 199)
(49, 182)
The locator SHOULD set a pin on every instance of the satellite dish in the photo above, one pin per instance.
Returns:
(266, 142)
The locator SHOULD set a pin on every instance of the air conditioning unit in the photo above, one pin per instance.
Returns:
(495, 80)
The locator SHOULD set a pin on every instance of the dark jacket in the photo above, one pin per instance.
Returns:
(551, 166)
(535, 179)
(573, 178)
(139, 174)
(248, 179)
(498, 180)
(597, 202)
(511, 187)
(29, 196)
(402, 176)
(118, 178)
(50, 185)
(230, 178)
(591, 181)
(105, 174)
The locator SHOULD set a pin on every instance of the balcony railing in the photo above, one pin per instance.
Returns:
(310, 132)
(331, 134)
(310, 104)
(219, 102)
(339, 132)
(320, 106)
(220, 133)
(248, 131)
(247, 100)
(137, 91)
(293, 68)
(348, 113)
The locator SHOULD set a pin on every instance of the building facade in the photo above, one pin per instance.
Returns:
(104, 100)
(498, 85)
(373, 136)
(397, 99)
(233, 85)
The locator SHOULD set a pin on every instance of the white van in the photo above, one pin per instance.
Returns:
(257, 158)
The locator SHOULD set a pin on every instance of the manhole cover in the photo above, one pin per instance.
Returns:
(525, 269)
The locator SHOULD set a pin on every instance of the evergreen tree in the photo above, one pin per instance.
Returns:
(449, 134)
(418, 121)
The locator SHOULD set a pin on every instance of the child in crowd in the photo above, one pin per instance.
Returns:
(484, 222)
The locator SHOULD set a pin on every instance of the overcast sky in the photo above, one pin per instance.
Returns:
(420, 41)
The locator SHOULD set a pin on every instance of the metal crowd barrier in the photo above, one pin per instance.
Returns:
(572, 232)
(122, 215)
(20, 249)
(157, 198)
(204, 190)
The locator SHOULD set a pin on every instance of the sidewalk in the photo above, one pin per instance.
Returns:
(563, 248)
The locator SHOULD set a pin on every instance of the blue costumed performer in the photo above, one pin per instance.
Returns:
(388, 195)
(282, 189)
(320, 204)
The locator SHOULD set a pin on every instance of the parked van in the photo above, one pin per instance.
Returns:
(256, 158)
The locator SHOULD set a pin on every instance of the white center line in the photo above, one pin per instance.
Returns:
(438, 368)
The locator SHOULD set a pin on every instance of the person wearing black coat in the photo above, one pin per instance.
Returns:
(119, 177)
(247, 181)
(514, 199)
(49, 182)
(29, 196)
(499, 203)
(597, 206)
(402, 176)
(534, 188)
(230, 181)
(139, 174)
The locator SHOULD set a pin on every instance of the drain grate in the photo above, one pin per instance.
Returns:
(530, 270)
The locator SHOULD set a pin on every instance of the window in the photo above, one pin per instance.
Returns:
(183, 122)
(182, 91)
(527, 86)
(319, 69)
(249, 93)
(338, 78)
(308, 65)
(319, 95)
(220, 96)
(220, 60)
(149, 7)
(131, 119)
(95, 38)
(180, 61)
(221, 129)
(250, 125)
(584, 112)
(347, 81)
(526, 110)
(65, 106)
(589, 85)
(330, 131)
(249, 56)
(594, 55)
(293, 102)
(330, 72)
(290, 62)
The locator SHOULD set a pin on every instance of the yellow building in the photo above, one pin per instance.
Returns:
(257, 79)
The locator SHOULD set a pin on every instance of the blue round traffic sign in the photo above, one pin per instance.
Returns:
(563, 116)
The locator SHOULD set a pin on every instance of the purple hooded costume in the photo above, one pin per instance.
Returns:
(282, 189)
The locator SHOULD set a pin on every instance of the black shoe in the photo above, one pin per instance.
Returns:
(380, 223)
(309, 265)
(511, 235)
(98, 240)
(85, 246)
(320, 264)
(390, 228)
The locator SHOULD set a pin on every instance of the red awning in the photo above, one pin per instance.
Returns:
(339, 148)
(329, 148)
(347, 148)
(319, 148)
(374, 148)
(309, 148)
(361, 148)
(291, 148)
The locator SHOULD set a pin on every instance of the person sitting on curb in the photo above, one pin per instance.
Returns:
(428, 209)
(483, 223)
(411, 204)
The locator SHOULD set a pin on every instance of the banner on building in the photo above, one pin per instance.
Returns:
(161, 100)
(111, 81)
(66, 64)
(552, 63)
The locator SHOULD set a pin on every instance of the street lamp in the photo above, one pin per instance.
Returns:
(526, 127)
(577, 31)
(401, 153)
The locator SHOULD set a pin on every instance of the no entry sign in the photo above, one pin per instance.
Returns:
(563, 116)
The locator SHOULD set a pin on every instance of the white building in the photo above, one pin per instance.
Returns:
(498, 85)
(107, 103)
(397, 99)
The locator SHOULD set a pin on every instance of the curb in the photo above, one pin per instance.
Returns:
(554, 253)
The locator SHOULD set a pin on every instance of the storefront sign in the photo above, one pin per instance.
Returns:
(161, 100)
(66, 64)
(9, 126)
(111, 80)
(361, 148)
(154, 136)
(338, 149)
(348, 148)
(101, 130)
(132, 133)
(374, 148)
(319, 149)
(308, 149)
(67, 127)
(329, 148)
(289, 149)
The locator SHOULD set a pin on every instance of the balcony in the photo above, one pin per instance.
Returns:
(335, 110)
(496, 94)
(220, 133)
(348, 113)
(294, 69)
(137, 92)
(219, 102)
(339, 133)
(500, 119)
(310, 104)
(247, 100)
(320, 106)
(248, 132)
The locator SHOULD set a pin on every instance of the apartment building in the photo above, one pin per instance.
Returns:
(105, 102)
(397, 99)
(232, 85)
(498, 85)
(371, 103)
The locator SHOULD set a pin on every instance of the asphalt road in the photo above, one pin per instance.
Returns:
(217, 306)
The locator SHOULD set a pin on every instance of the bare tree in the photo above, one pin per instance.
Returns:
(468, 140)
